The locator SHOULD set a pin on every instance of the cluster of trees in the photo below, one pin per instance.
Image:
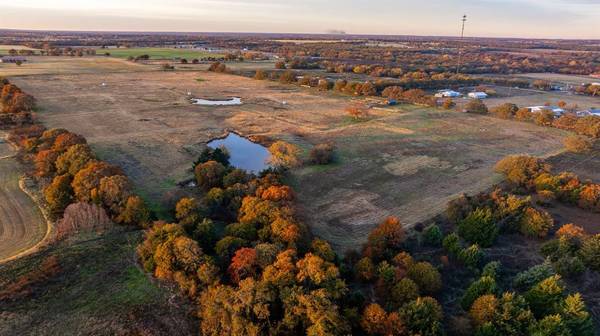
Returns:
(572, 251)
(240, 250)
(588, 126)
(16, 105)
(69, 172)
(481, 218)
(529, 174)
(543, 307)
(390, 59)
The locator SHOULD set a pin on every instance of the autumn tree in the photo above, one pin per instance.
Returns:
(59, 194)
(209, 174)
(521, 170)
(74, 159)
(243, 264)
(87, 180)
(135, 212)
(284, 155)
(386, 238)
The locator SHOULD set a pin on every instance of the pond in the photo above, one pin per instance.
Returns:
(207, 102)
(244, 154)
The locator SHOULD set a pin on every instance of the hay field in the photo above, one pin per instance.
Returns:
(22, 225)
(405, 161)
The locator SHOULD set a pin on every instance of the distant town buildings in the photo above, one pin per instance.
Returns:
(12, 59)
(478, 95)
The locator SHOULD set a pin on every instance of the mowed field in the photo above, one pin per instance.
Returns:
(22, 225)
(405, 161)
(158, 53)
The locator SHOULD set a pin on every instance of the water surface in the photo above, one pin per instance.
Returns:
(244, 154)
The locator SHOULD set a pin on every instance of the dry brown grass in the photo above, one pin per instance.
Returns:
(144, 122)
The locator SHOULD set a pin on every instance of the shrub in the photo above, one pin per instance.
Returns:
(483, 286)
(483, 309)
(534, 275)
(452, 244)
(505, 111)
(479, 228)
(471, 256)
(322, 154)
(476, 106)
(569, 266)
(589, 197)
(577, 144)
(492, 269)
(536, 223)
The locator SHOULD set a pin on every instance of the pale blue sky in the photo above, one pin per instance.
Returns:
(522, 18)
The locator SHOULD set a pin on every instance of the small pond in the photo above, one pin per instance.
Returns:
(244, 154)
(207, 102)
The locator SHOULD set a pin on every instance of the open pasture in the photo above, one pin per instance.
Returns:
(158, 53)
(405, 161)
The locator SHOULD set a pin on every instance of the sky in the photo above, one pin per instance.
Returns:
(494, 18)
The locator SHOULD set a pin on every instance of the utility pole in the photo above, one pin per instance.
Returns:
(462, 35)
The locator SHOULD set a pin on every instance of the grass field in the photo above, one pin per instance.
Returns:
(158, 53)
(98, 290)
(22, 225)
(405, 161)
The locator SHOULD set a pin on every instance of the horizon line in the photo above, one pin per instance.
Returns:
(289, 33)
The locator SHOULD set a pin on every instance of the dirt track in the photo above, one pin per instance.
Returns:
(22, 225)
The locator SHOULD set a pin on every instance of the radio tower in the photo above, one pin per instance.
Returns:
(462, 35)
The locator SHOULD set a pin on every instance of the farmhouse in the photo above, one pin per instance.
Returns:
(478, 95)
(555, 109)
(447, 94)
(12, 59)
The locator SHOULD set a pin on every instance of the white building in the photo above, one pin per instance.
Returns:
(554, 109)
(478, 95)
(447, 94)
(589, 112)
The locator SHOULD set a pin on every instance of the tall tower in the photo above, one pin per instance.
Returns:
(462, 35)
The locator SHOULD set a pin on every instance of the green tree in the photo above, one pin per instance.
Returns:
(479, 227)
(483, 286)
(423, 316)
